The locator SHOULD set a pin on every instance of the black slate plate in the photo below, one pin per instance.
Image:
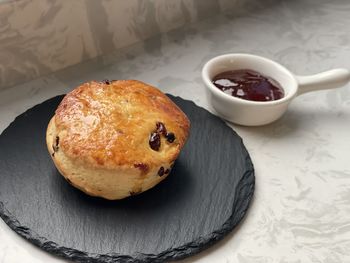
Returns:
(205, 196)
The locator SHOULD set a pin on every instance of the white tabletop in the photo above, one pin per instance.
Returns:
(301, 207)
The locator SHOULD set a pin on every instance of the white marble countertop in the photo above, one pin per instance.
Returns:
(301, 208)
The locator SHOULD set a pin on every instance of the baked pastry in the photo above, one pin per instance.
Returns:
(114, 139)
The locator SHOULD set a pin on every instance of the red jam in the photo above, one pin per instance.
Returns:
(248, 85)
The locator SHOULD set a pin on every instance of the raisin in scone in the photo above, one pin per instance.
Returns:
(114, 139)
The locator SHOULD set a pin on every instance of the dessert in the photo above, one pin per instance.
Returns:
(114, 139)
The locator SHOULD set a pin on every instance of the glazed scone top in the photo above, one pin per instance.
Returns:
(109, 124)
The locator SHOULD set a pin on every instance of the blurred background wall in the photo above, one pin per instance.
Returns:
(41, 36)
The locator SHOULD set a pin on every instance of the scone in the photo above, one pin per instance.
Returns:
(114, 139)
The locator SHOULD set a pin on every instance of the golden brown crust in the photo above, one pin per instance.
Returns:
(109, 125)
(110, 184)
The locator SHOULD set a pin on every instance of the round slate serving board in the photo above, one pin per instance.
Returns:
(205, 196)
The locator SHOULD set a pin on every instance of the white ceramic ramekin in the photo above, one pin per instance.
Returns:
(254, 113)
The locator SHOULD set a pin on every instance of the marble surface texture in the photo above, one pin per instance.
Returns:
(301, 207)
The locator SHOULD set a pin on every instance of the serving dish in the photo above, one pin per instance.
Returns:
(203, 199)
